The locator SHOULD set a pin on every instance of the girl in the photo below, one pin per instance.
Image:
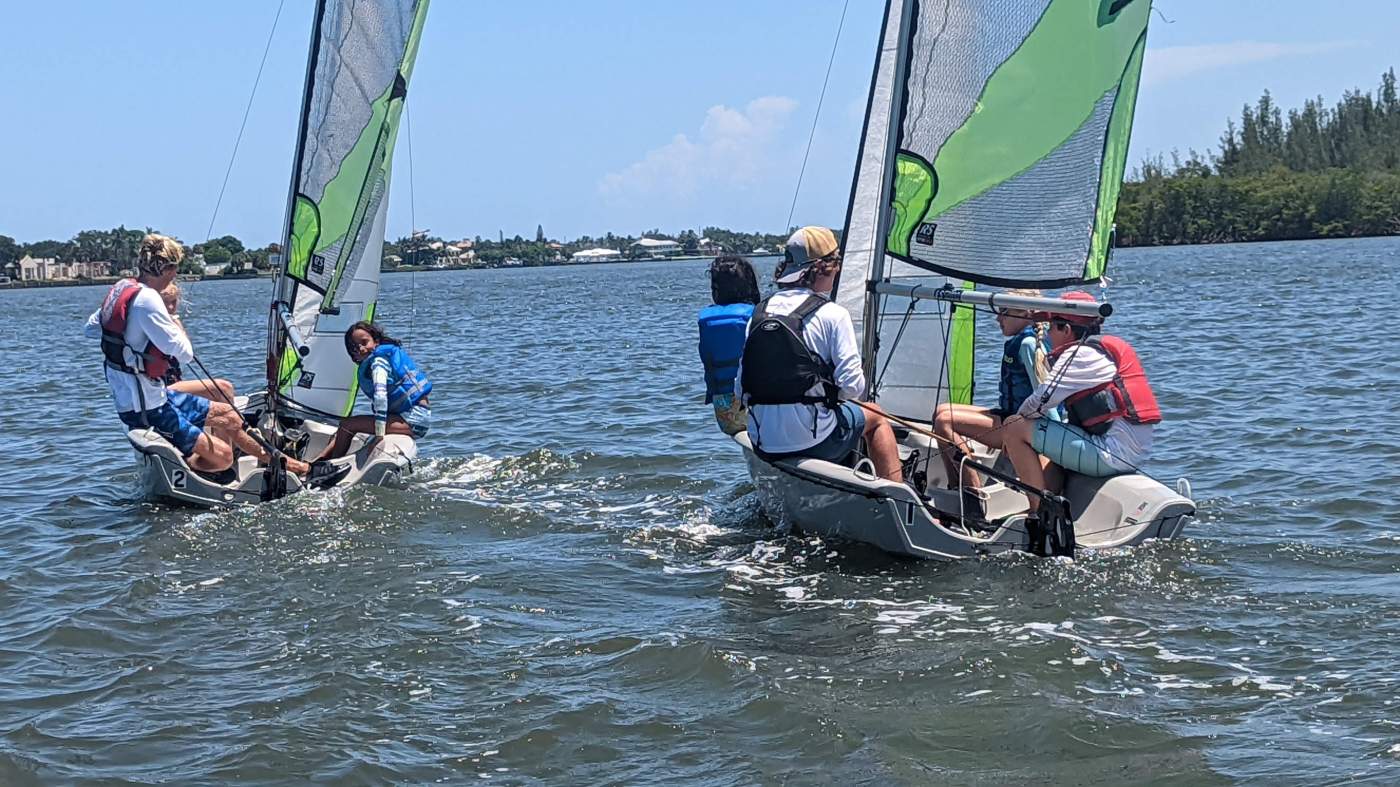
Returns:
(397, 388)
(218, 389)
(723, 328)
(1023, 367)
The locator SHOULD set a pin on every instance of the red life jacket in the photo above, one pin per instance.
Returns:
(152, 362)
(1127, 395)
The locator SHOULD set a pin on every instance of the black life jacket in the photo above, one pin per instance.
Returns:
(779, 367)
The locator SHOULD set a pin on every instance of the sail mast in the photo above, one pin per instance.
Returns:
(870, 345)
(282, 284)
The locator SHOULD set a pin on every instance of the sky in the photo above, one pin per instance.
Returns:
(581, 117)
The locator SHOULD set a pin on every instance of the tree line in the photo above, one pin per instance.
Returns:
(1318, 171)
(1313, 172)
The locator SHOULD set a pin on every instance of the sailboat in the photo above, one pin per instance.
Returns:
(992, 153)
(361, 58)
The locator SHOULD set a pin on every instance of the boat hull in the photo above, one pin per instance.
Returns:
(836, 501)
(165, 476)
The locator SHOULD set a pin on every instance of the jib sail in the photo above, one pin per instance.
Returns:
(362, 54)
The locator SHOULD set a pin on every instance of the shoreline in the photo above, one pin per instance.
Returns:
(109, 280)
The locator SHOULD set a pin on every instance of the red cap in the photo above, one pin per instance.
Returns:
(1087, 320)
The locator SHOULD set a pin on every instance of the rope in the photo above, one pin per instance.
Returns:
(248, 109)
(817, 116)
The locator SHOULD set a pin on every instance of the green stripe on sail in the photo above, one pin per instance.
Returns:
(1115, 159)
(1035, 101)
(355, 384)
(961, 337)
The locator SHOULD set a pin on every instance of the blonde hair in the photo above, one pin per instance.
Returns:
(157, 253)
(1042, 368)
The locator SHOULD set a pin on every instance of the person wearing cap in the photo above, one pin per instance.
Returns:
(1110, 407)
(139, 340)
(812, 423)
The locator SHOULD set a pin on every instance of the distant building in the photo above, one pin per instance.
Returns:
(655, 248)
(707, 246)
(37, 268)
(596, 255)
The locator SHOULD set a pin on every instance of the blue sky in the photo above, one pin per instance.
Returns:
(618, 115)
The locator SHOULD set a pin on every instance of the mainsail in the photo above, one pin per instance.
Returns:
(996, 136)
(362, 54)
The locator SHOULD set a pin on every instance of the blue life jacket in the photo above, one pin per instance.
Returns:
(1016, 382)
(407, 383)
(723, 330)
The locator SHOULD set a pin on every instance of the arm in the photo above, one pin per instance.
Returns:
(379, 374)
(148, 312)
(1027, 356)
(1076, 370)
(845, 355)
(93, 329)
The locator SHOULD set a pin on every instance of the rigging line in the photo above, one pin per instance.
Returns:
(412, 227)
(209, 233)
(908, 313)
(816, 116)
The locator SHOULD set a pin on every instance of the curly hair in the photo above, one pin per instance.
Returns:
(157, 253)
(732, 280)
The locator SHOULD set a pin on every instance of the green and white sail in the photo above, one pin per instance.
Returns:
(1013, 135)
(996, 136)
(362, 54)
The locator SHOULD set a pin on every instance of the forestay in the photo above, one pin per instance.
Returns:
(912, 380)
(362, 54)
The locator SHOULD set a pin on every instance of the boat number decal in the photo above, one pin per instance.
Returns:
(177, 478)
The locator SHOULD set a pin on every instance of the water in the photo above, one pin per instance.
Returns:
(578, 586)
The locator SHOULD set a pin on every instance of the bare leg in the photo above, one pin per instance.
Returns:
(217, 390)
(1016, 439)
(226, 423)
(211, 455)
(360, 424)
(884, 449)
(966, 420)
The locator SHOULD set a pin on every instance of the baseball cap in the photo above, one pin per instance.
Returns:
(1087, 320)
(805, 247)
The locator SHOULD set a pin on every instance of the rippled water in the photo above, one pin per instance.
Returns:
(578, 586)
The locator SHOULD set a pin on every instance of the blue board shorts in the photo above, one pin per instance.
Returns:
(843, 440)
(418, 418)
(1072, 448)
(180, 420)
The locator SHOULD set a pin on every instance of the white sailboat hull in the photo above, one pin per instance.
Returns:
(831, 500)
(165, 476)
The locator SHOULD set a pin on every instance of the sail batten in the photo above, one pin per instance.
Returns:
(362, 56)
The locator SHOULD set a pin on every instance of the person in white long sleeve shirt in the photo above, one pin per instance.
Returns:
(1110, 407)
(812, 427)
(144, 338)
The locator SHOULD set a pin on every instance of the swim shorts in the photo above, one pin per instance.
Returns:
(841, 443)
(418, 418)
(1073, 448)
(180, 420)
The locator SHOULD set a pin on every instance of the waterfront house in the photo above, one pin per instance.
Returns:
(655, 248)
(708, 247)
(37, 268)
(596, 255)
